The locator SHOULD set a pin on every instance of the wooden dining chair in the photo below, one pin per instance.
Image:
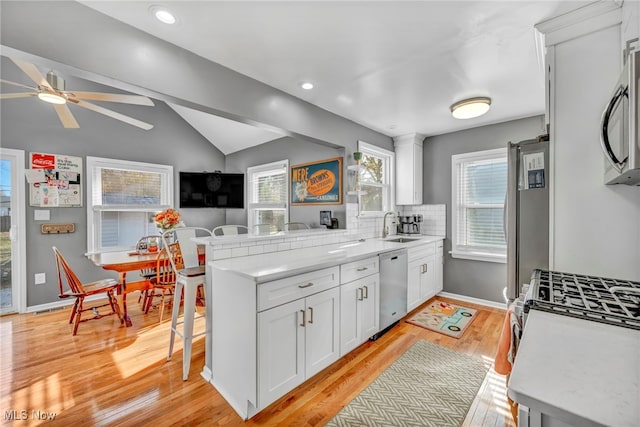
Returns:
(164, 282)
(79, 291)
(145, 245)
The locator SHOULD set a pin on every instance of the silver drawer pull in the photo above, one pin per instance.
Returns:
(304, 317)
(359, 294)
(310, 314)
(308, 285)
(363, 269)
(366, 292)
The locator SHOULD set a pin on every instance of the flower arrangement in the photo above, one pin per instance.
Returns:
(168, 219)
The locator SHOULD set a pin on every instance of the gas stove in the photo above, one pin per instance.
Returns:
(611, 301)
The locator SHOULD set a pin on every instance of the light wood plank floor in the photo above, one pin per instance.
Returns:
(111, 375)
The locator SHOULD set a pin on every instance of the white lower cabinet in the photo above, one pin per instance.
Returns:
(359, 312)
(424, 276)
(295, 341)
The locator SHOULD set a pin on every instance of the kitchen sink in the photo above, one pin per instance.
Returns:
(401, 240)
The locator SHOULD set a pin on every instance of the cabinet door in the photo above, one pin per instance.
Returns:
(414, 278)
(281, 346)
(369, 310)
(350, 328)
(427, 278)
(322, 337)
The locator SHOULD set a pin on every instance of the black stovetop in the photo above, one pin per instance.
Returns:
(604, 300)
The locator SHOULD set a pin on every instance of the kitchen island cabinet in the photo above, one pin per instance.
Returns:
(257, 349)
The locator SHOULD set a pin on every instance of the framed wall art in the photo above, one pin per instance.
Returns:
(317, 183)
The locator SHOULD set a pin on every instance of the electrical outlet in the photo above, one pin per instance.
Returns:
(40, 278)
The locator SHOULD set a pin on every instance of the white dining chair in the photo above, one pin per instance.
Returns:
(230, 230)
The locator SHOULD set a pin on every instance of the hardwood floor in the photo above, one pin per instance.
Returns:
(111, 375)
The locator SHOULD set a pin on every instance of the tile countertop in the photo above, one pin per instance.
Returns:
(580, 371)
(273, 266)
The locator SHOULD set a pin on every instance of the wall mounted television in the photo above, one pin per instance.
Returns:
(211, 190)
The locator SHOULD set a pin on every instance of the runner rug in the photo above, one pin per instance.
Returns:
(448, 319)
(428, 385)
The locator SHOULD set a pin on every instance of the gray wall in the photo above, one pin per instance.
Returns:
(296, 151)
(478, 279)
(31, 125)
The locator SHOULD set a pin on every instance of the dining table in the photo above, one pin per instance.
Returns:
(124, 262)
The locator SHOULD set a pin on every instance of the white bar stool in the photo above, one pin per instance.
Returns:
(187, 281)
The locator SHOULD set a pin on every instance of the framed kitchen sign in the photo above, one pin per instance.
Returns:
(317, 183)
(54, 180)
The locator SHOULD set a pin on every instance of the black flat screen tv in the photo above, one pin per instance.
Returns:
(211, 190)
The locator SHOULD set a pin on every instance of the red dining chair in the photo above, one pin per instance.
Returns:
(79, 291)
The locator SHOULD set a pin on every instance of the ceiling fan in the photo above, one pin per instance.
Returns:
(51, 89)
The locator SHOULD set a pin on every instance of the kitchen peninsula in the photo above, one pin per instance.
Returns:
(278, 318)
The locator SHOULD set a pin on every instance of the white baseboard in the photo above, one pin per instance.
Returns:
(58, 304)
(485, 302)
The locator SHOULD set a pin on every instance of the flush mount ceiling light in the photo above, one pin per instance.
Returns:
(52, 98)
(306, 85)
(163, 15)
(470, 108)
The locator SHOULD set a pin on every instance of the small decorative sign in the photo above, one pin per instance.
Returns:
(54, 180)
(317, 183)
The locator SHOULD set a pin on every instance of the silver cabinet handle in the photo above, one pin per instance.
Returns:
(306, 286)
(310, 314)
(366, 292)
(360, 297)
(304, 317)
(363, 268)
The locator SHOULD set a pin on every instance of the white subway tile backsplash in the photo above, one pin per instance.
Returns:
(236, 252)
(284, 246)
(255, 250)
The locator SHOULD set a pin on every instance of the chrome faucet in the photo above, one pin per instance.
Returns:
(385, 228)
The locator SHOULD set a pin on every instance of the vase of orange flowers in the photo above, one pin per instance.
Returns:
(168, 219)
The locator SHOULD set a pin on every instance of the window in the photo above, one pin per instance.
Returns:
(376, 179)
(124, 196)
(268, 195)
(479, 186)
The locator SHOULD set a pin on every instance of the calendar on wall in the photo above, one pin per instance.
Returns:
(54, 180)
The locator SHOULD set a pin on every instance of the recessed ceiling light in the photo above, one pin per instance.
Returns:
(307, 85)
(163, 15)
(470, 108)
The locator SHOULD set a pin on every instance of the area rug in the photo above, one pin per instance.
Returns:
(445, 318)
(428, 385)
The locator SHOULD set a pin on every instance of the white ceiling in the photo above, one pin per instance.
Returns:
(393, 66)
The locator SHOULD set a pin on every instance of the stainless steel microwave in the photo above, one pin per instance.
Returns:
(620, 126)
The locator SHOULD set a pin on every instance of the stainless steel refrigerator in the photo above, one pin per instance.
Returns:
(527, 211)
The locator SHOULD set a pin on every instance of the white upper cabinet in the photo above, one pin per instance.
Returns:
(630, 29)
(409, 169)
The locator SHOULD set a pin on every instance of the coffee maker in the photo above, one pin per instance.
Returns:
(409, 224)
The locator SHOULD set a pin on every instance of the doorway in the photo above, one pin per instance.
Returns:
(12, 232)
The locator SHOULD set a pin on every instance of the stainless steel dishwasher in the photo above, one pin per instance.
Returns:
(393, 289)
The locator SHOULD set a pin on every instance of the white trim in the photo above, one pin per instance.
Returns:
(480, 256)
(551, 56)
(479, 301)
(58, 304)
(584, 20)
(18, 219)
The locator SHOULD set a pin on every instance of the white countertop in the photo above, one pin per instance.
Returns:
(583, 372)
(276, 265)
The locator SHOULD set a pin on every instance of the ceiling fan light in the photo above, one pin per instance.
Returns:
(52, 98)
(470, 108)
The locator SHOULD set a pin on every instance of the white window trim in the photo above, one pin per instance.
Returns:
(284, 164)
(469, 253)
(93, 210)
(389, 175)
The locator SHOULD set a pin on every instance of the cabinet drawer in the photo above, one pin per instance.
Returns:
(422, 251)
(358, 269)
(281, 291)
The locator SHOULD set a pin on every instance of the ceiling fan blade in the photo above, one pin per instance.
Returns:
(113, 97)
(17, 84)
(16, 95)
(30, 70)
(67, 119)
(112, 114)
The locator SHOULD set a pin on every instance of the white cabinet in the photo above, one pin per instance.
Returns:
(630, 27)
(424, 276)
(359, 302)
(297, 339)
(408, 150)
(359, 312)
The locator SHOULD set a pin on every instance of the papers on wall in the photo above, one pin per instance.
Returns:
(54, 180)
